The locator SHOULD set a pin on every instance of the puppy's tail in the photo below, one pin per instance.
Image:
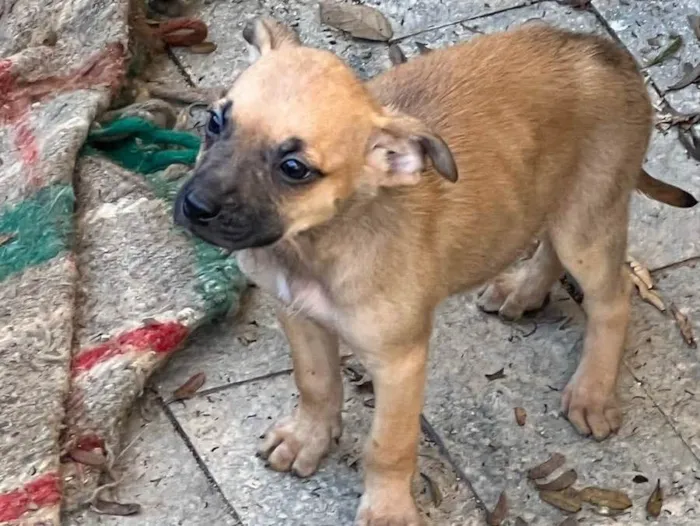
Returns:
(664, 192)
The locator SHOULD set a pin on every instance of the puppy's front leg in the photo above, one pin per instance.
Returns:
(391, 451)
(299, 442)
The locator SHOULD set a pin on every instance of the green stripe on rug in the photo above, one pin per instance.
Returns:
(36, 229)
(142, 147)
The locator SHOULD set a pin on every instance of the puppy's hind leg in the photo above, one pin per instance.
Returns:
(592, 248)
(524, 288)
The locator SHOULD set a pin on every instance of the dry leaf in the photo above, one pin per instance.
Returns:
(566, 500)
(656, 500)
(495, 517)
(497, 375)
(433, 490)
(640, 479)
(360, 21)
(684, 325)
(6, 238)
(396, 55)
(650, 296)
(563, 481)
(423, 49)
(203, 48)
(519, 521)
(95, 457)
(671, 49)
(520, 416)
(694, 22)
(106, 507)
(690, 76)
(640, 271)
(608, 498)
(190, 387)
(548, 467)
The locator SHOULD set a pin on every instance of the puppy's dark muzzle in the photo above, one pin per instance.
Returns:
(198, 209)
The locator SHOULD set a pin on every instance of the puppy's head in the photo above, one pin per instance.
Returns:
(295, 138)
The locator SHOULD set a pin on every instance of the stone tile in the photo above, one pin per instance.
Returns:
(659, 358)
(646, 29)
(660, 234)
(247, 344)
(226, 21)
(475, 416)
(224, 428)
(161, 474)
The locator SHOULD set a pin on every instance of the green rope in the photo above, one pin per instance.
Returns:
(140, 146)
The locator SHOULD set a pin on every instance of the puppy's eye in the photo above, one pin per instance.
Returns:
(216, 123)
(295, 171)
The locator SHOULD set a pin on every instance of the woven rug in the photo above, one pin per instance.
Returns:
(97, 287)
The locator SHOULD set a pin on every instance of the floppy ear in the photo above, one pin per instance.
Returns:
(265, 34)
(398, 150)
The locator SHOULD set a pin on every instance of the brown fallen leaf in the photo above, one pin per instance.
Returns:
(648, 295)
(608, 498)
(548, 467)
(423, 49)
(669, 51)
(566, 500)
(396, 55)
(360, 21)
(433, 490)
(203, 48)
(6, 238)
(520, 416)
(694, 23)
(497, 375)
(190, 387)
(640, 271)
(684, 325)
(105, 507)
(495, 517)
(656, 501)
(691, 75)
(95, 458)
(563, 481)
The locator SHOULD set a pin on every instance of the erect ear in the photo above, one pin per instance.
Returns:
(398, 150)
(265, 34)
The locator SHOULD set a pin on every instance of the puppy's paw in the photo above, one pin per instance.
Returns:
(299, 443)
(591, 408)
(387, 508)
(510, 299)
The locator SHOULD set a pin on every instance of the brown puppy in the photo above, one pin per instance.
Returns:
(362, 206)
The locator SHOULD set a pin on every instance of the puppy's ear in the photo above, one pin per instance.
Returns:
(398, 150)
(265, 34)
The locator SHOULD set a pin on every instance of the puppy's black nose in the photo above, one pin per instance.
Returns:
(199, 210)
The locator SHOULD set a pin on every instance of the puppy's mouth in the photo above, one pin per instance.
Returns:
(250, 232)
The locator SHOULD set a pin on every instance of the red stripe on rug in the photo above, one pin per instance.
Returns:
(38, 493)
(158, 337)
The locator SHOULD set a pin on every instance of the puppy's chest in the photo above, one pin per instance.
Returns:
(298, 293)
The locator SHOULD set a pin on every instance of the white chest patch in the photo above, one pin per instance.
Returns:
(298, 294)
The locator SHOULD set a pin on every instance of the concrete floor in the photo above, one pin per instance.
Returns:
(192, 462)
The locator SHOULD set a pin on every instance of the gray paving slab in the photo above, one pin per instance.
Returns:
(225, 428)
(646, 27)
(226, 21)
(475, 416)
(658, 357)
(161, 474)
(247, 344)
